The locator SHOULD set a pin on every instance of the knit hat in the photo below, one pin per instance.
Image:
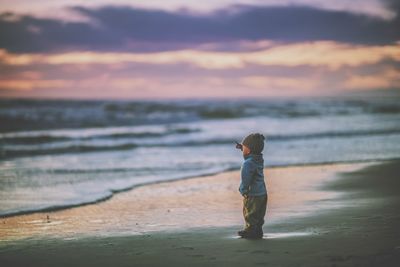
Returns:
(255, 142)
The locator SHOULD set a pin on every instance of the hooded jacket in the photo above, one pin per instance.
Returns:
(252, 176)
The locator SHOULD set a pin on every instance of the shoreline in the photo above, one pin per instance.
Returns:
(163, 206)
(361, 232)
(113, 193)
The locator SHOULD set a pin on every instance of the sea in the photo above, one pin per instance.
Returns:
(56, 154)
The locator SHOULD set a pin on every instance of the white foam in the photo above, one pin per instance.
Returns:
(280, 235)
(285, 235)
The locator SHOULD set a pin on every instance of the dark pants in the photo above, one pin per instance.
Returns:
(254, 209)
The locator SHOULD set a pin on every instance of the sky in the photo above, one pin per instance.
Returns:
(188, 49)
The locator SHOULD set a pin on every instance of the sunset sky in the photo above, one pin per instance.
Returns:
(183, 48)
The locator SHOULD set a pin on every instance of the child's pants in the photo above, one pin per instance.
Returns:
(254, 209)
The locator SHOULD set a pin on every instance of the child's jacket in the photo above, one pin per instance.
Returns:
(252, 176)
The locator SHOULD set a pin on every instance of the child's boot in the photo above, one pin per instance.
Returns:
(251, 233)
(241, 232)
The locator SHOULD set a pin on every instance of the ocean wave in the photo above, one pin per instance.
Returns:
(108, 194)
(32, 139)
(111, 170)
(25, 115)
(11, 153)
(333, 134)
(14, 151)
(278, 137)
(221, 113)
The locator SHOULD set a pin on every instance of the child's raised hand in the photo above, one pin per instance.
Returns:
(239, 146)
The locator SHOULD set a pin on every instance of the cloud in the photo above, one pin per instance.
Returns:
(30, 84)
(317, 54)
(280, 83)
(387, 78)
(112, 86)
(100, 82)
(177, 81)
(115, 28)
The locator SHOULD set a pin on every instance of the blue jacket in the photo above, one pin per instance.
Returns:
(252, 176)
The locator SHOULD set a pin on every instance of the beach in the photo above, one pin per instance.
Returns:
(318, 215)
(147, 133)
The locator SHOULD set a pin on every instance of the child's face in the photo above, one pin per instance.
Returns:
(246, 150)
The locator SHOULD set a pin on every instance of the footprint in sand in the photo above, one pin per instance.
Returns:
(196, 256)
(186, 248)
(260, 251)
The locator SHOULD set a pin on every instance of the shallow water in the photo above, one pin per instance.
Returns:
(205, 202)
(56, 154)
(280, 235)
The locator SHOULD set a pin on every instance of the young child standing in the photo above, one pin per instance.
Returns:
(252, 186)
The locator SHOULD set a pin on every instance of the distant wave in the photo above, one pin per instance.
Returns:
(10, 152)
(236, 109)
(299, 136)
(334, 134)
(108, 170)
(31, 139)
(25, 115)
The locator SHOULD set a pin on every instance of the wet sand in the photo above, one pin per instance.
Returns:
(326, 215)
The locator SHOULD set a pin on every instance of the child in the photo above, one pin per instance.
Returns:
(252, 186)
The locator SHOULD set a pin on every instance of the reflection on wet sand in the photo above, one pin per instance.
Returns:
(211, 201)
